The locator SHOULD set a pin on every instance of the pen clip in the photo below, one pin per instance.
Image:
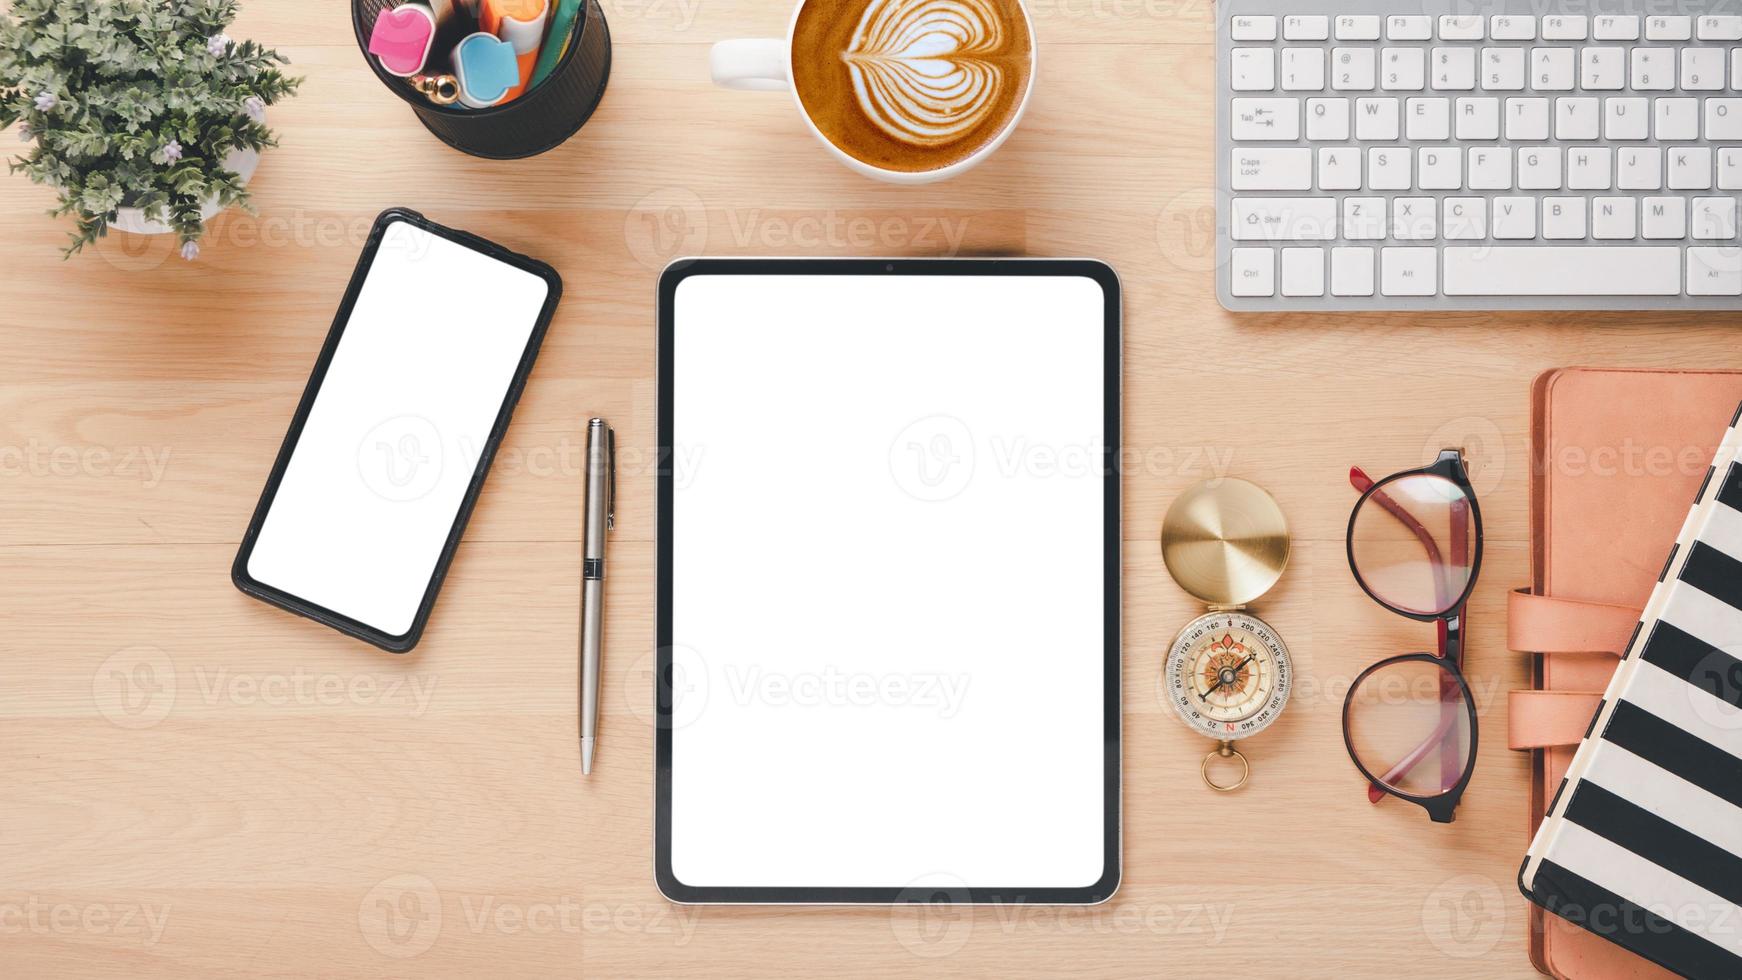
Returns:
(611, 471)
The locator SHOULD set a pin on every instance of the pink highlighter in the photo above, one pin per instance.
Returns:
(402, 38)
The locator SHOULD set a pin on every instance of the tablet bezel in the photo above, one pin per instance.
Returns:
(669, 884)
(395, 642)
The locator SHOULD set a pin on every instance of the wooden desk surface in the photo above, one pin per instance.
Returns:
(197, 784)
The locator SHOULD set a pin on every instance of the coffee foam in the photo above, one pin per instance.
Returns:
(923, 71)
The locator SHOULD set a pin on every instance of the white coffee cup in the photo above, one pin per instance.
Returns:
(765, 64)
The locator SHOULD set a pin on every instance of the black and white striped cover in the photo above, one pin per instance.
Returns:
(1643, 842)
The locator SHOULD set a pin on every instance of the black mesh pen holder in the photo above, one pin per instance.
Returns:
(540, 119)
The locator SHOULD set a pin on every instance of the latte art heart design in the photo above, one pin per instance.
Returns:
(923, 70)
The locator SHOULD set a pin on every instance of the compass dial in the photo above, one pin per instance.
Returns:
(1228, 675)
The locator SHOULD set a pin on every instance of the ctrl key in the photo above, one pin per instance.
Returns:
(1254, 271)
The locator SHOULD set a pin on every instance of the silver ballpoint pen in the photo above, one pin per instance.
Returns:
(599, 516)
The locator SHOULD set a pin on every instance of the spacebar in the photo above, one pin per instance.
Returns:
(1562, 271)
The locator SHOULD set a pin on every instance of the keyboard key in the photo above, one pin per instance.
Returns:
(1665, 218)
(1615, 27)
(1254, 69)
(1653, 69)
(1539, 168)
(1730, 169)
(1254, 272)
(1351, 271)
(1720, 28)
(1399, 28)
(1678, 119)
(1589, 168)
(1527, 119)
(1428, 119)
(1284, 219)
(1668, 28)
(1339, 168)
(1388, 168)
(1612, 219)
(1690, 168)
(1455, 28)
(1503, 69)
(1409, 271)
(1352, 69)
(1454, 69)
(1714, 271)
(1358, 28)
(1272, 169)
(1267, 119)
(1560, 27)
(1639, 169)
(1577, 119)
(1465, 218)
(1514, 218)
(1439, 168)
(1551, 69)
(1702, 69)
(1306, 28)
(1626, 119)
(1376, 120)
(1563, 218)
(1602, 68)
(1303, 69)
(1724, 119)
(1303, 272)
(1413, 219)
(1490, 168)
(1402, 69)
(1327, 120)
(1364, 219)
(1247, 28)
(1511, 27)
(1478, 119)
(1736, 67)
(1714, 218)
(1561, 270)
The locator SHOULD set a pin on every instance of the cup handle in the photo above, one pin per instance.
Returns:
(756, 64)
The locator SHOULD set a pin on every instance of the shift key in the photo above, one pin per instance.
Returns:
(1284, 219)
(1267, 120)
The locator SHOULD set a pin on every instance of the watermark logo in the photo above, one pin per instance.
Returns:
(932, 459)
(1484, 447)
(127, 920)
(135, 688)
(931, 917)
(400, 459)
(1464, 916)
(664, 224)
(402, 916)
(688, 681)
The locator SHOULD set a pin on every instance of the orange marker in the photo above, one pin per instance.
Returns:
(521, 24)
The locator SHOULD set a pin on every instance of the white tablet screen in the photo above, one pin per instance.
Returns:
(381, 467)
(887, 581)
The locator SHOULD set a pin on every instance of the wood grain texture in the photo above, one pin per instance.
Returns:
(195, 784)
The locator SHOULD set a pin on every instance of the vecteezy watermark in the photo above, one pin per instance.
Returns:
(401, 458)
(138, 687)
(405, 915)
(933, 458)
(1484, 447)
(147, 464)
(830, 687)
(401, 917)
(931, 918)
(143, 922)
(1464, 916)
(681, 14)
(687, 680)
(1093, 10)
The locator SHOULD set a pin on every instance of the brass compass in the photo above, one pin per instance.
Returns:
(1227, 674)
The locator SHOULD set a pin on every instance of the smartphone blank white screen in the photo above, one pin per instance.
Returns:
(396, 431)
(887, 581)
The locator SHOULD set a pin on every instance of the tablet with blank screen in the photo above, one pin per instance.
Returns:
(888, 595)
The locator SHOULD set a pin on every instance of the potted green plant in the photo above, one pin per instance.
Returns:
(142, 114)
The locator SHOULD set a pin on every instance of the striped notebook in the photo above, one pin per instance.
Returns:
(1643, 842)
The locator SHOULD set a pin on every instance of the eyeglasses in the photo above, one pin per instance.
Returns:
(1409, 722)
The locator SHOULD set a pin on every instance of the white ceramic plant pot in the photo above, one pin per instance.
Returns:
(239, 159)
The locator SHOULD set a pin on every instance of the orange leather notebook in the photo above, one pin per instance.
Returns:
(1616, 457)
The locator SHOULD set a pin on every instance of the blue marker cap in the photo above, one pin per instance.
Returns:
(486, 68)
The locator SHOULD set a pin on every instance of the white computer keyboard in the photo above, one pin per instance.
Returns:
(1478, 155)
